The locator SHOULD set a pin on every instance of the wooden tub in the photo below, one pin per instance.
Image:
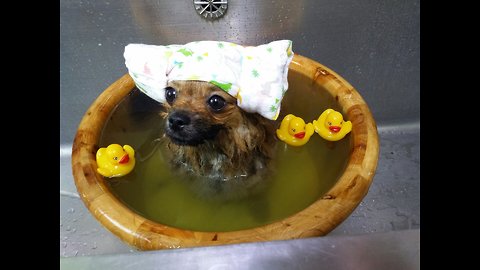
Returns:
(316, 220)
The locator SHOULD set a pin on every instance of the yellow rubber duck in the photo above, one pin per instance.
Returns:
(294, 131)
(115, 160)
(330, 125)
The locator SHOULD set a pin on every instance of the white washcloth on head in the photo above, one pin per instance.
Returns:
(256, 76)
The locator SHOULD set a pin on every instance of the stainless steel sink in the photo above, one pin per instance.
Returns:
(374, 45)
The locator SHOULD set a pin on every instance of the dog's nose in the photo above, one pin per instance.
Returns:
(178, 120)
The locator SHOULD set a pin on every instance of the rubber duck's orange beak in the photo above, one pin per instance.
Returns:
(124, 159)
(334, 128)
(299, 135)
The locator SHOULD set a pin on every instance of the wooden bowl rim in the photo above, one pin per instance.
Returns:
(317, 219)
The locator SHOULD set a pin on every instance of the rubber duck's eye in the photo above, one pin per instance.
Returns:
(216, 102)
(329, 123)
(115, 158)
(294, 130)
(170, 94)
(341, 122)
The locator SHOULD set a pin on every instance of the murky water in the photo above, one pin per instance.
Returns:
(301, 175)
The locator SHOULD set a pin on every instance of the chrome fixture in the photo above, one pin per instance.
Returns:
(211, 9)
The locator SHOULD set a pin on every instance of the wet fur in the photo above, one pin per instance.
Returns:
(238, 147)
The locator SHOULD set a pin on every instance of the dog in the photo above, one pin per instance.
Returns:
(221, 101)
(227, 151)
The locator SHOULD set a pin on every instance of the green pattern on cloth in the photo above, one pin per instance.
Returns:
(289, 49)
(185, 52)
(224, 86)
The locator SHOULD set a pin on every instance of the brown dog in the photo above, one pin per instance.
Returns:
(212, 139)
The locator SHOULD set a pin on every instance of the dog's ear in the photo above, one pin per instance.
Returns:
(253, 134)
(268, 128)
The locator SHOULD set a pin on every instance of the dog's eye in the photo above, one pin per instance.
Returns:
(216, 102)
(170, 94)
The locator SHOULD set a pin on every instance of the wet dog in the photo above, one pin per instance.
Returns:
(226, 150)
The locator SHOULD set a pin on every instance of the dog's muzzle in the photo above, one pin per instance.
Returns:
(177, 121)
(186, 128)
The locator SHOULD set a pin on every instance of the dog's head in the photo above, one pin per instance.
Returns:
(197, 111)
(210, 133)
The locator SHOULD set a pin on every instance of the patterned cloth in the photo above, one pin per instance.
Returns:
(256, 76)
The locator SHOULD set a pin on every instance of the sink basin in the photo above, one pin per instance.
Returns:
(374, 45)
(318, 218)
